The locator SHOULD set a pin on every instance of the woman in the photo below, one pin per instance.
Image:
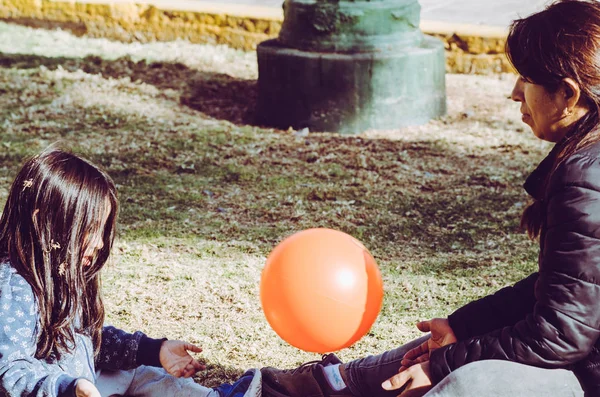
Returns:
(540, 336)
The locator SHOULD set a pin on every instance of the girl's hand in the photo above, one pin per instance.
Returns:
(176, 360)
(416, 381)
(441, 335)
(85, 388)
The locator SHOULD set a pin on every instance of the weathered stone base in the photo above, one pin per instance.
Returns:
(350, 93)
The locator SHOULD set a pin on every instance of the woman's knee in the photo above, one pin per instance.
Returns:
(478, 378)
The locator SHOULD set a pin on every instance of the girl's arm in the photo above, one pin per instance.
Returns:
(565, 323)
(21, 374)
(121, 350)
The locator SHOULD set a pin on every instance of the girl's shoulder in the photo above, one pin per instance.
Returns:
(11, 282)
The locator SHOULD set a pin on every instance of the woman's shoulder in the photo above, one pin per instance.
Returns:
(581, 168)
(591, 151)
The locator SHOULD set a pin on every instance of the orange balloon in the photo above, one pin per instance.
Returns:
(321, 290)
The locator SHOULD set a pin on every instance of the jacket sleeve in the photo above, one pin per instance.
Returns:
(565, 322)
(121, 350)
(503, 308)
(21, 374)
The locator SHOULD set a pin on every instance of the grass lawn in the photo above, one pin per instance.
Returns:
(206, 195)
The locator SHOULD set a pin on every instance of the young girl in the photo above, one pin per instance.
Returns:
(541, 336)
(56, 234)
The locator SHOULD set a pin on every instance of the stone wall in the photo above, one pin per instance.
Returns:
(470, 49)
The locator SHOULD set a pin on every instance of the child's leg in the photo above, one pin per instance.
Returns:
(156, 382)
(149, 382)
(113, 383)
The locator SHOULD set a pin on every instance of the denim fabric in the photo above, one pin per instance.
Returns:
(488, 378)
(148, 381)
(366, 375)
(496, 378)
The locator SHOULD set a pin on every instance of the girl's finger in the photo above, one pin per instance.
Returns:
(198, 366)
(193, 348)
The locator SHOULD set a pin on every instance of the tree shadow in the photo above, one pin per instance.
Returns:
(217, 95)
(242, 187)
(216, 374)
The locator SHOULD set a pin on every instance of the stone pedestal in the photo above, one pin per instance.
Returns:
(349, 66)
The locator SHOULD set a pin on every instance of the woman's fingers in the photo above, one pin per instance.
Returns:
(418, 351)
(396, 381)
(424, 326)
(407, 363)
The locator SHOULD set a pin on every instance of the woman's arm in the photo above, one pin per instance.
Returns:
(565, 322)
(505, 307)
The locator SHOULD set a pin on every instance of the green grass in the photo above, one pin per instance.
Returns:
(205, 196)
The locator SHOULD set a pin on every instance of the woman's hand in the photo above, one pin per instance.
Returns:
(415, 381)
(85, 388)
(441, 335)
(176, 360)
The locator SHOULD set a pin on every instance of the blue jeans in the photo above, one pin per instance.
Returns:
(487, 378)
(156, 382)
(148, 382)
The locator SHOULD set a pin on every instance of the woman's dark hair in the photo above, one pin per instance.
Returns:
(563, 41)
(55, 206)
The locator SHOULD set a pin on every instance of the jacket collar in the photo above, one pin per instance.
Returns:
(534, 184)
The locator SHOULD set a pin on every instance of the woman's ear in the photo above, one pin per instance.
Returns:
(571, 93)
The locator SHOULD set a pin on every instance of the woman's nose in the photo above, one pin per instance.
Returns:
(517, 92)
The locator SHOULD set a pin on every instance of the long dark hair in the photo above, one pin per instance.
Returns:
(55, 204)
(562, 41)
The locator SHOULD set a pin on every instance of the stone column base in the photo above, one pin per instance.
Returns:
(350, 93)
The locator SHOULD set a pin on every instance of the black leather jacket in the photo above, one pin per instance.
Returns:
(551, 319)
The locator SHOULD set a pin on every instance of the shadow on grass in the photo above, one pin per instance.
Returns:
(227, 194)
(219, 96)
(216, 374)
(404, 199)
(76, 28)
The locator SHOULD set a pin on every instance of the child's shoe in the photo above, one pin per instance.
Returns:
(238, 388)
(308, 380)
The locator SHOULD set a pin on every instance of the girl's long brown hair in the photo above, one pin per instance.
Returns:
(563, 41)
(56, 204)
